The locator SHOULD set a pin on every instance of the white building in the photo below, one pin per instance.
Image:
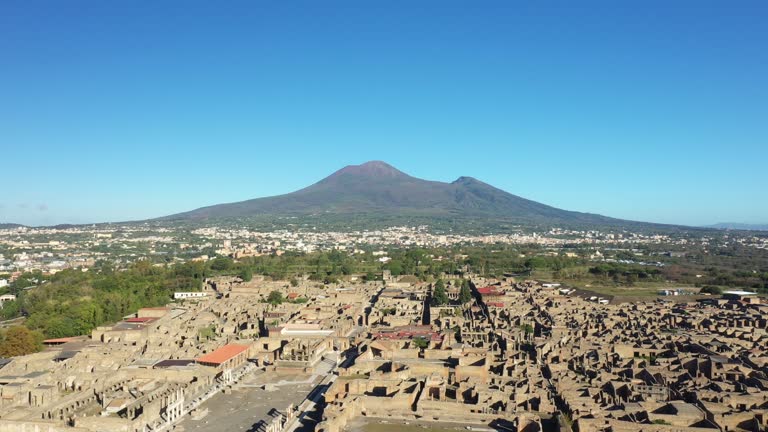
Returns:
(190, 294)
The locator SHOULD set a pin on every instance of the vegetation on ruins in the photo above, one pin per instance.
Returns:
(275, 298)
(449, 313)
(388, 311)
(526, 328)
(457, 333)
(420, 342)
(206, 333)
(465, 294)
(439, 296)
(246, 274)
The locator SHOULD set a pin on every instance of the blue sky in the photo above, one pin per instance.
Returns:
(645, 110)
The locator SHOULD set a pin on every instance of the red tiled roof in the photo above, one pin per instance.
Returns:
(408, 332)
(223, 354)
(488, 291)
(58, 340)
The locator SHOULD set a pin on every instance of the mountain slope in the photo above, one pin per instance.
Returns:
(10, 225)
(379, 189)
(740, 226)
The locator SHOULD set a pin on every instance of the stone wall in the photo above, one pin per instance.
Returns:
(37, 426)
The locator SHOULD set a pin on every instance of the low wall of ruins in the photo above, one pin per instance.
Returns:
(451, 411)
(36, 426)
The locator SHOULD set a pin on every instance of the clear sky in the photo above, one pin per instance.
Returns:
(645, 110)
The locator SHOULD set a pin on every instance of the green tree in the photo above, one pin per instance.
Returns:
(221, 264)
(246, 274)
(465, 295)
(420, 342)
(395, 267)
(439, 296)
(275, 298)
(347, 268)
(19, 340)
(710, 289)
(10, 310)
(536, 263)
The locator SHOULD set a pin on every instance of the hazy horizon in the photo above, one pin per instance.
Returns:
(653, 113)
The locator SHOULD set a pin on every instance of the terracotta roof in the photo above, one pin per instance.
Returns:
(488, 291)
(223, 354)
(408, 332)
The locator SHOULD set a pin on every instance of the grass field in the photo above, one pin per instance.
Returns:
(620, 293)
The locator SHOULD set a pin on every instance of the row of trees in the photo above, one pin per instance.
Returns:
(440, 296)
(424, 263)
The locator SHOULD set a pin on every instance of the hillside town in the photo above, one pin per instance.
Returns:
(465, 352)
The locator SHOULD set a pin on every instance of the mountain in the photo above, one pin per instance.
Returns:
(10, 225)
(378, 189)
(740, 226)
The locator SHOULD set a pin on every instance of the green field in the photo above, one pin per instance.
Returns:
(638, 291)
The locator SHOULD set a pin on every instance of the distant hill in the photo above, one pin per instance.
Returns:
(10, 225)
(740, 226)
(378, 189)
